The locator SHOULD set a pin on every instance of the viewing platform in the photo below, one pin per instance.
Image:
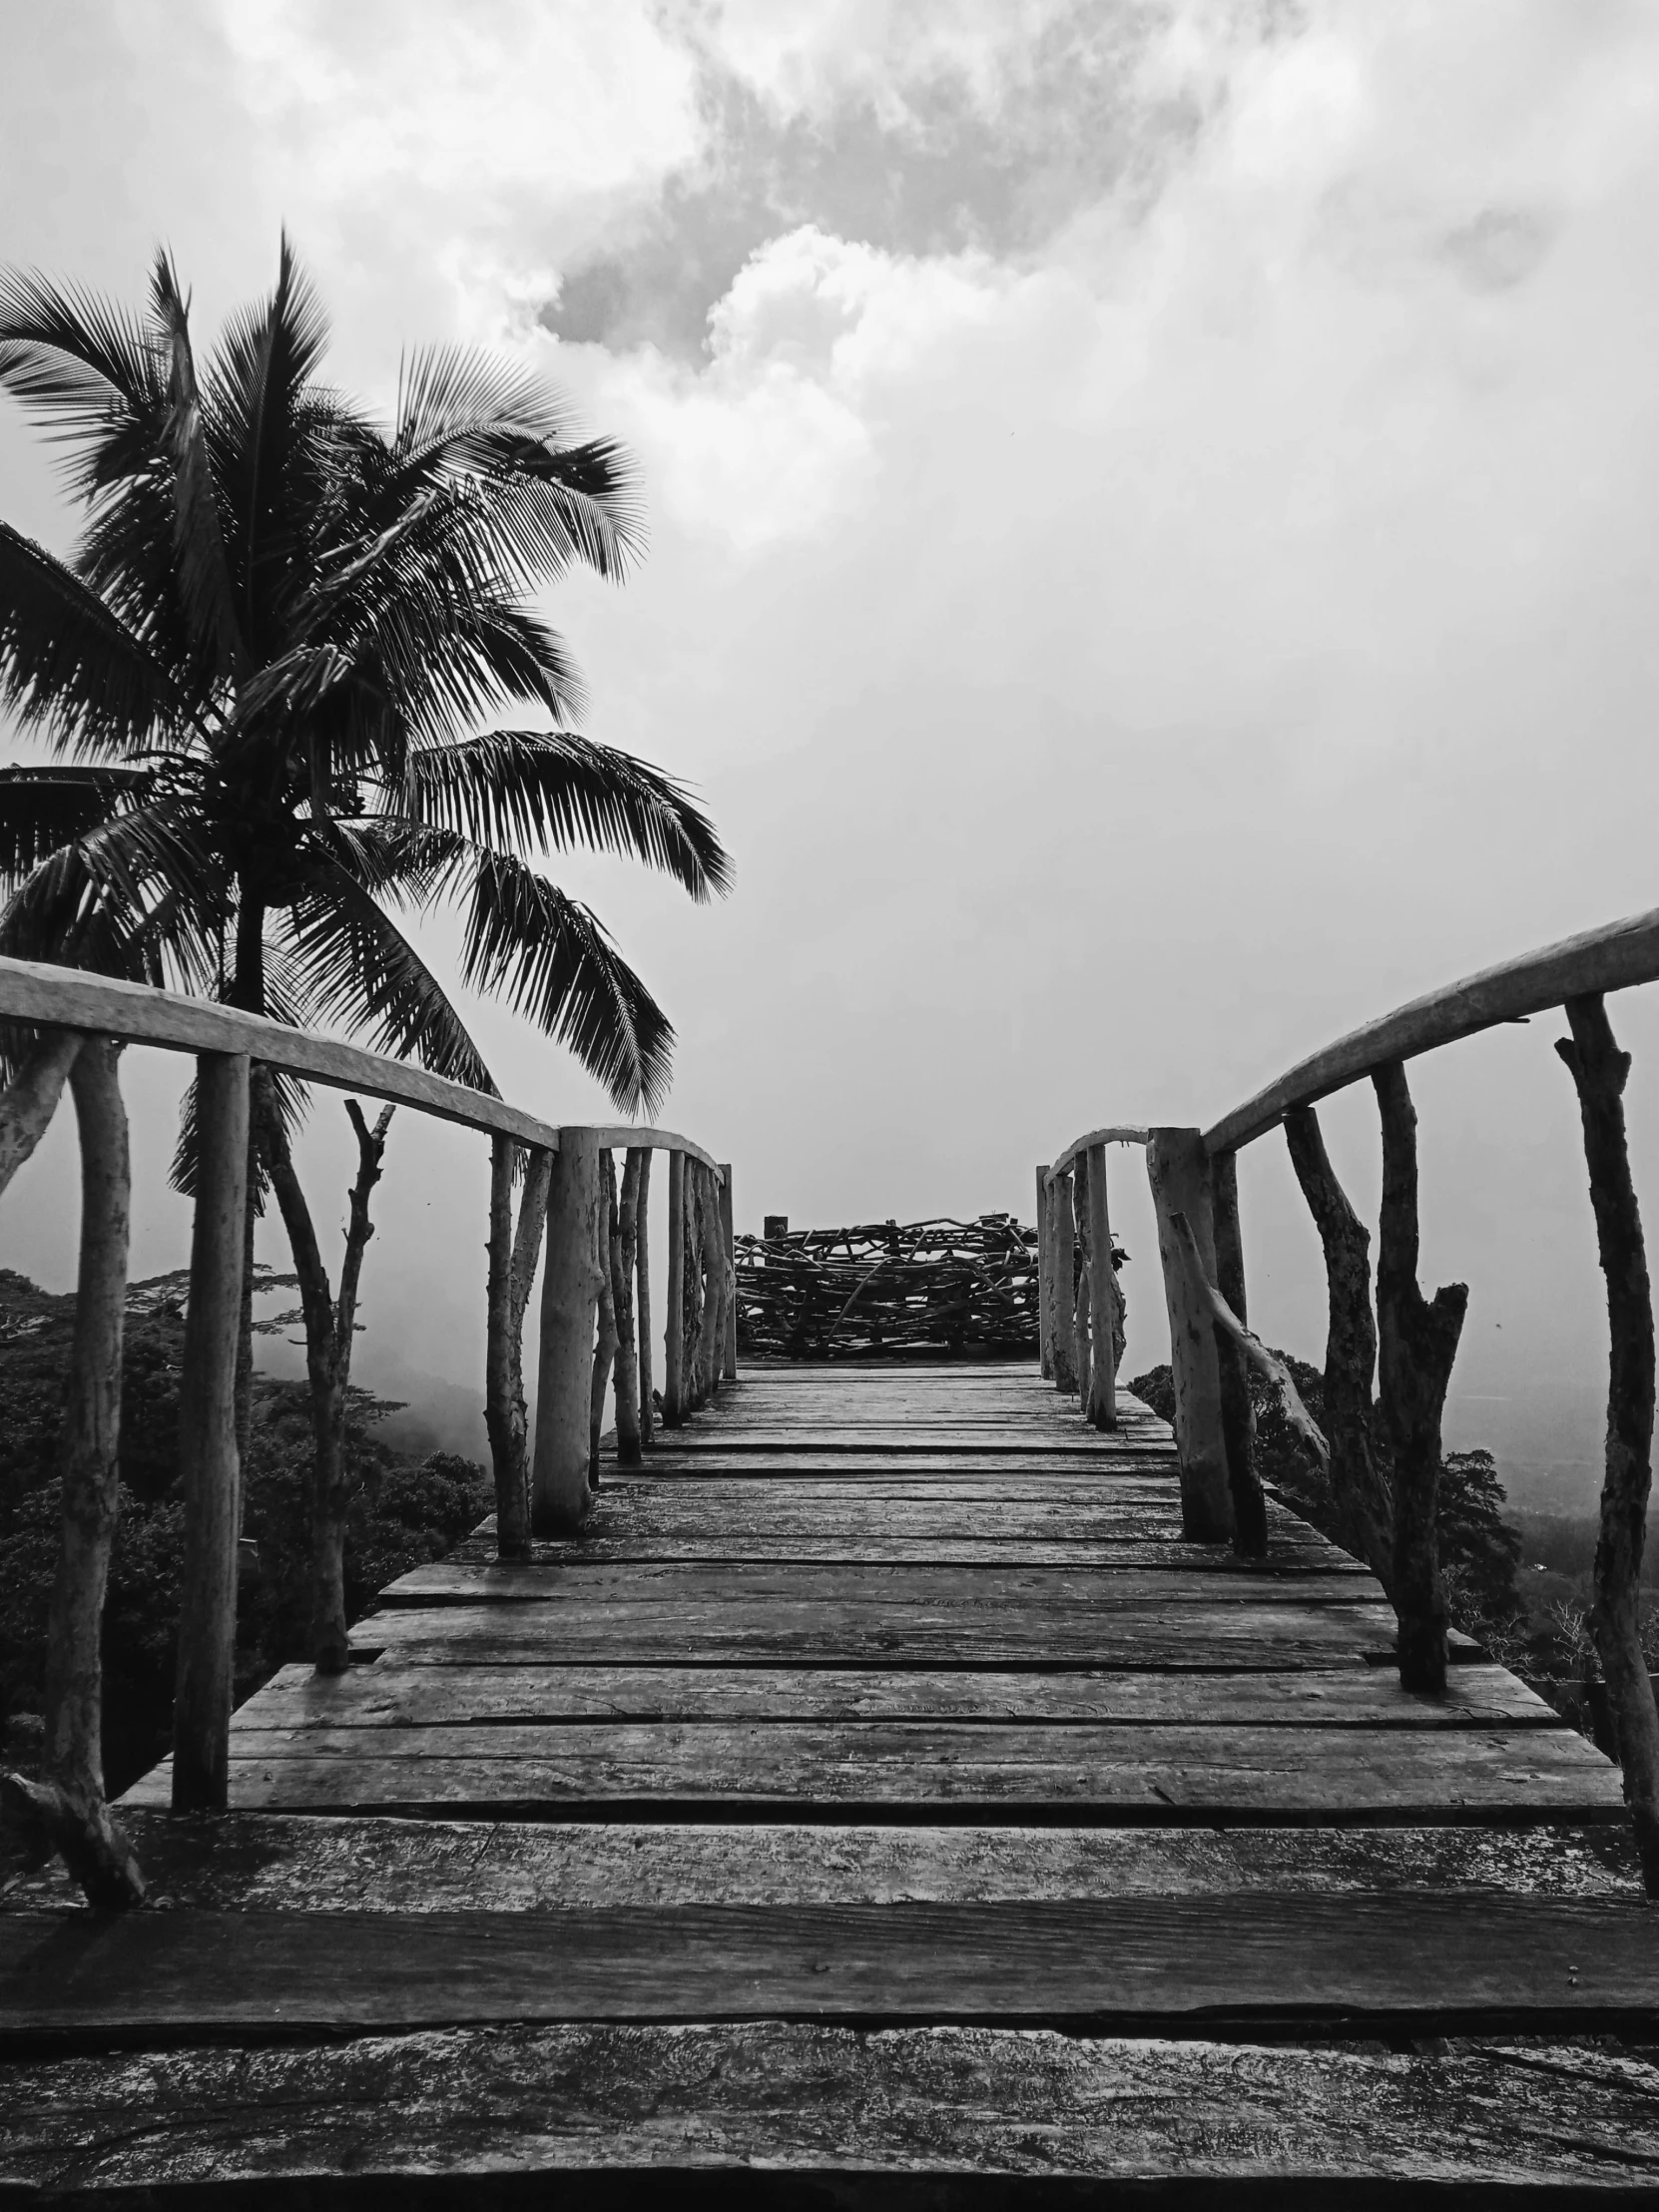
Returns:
(878, 1797)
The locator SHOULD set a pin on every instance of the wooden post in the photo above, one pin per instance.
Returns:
(560, 1496)
(1238, 1415)
(1416, 1343)
(1178, 1170)
(512, 1268)
(1085, 1285)
(674, 1331)
(67, 1811)
(712, 1248)
(729, 1246)
(209, 1467)
(1101, 1406)
(604, 1351)
(1599, 1070)
(692, 1288)
(1045, 1317)
(1062, 1258)
(1359, 1484)
(642, 1227)
(624, 1269)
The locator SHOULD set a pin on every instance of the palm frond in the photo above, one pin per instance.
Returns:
(356, 968)
(552, 790)
(553, 960)
(84, 367)
(44, 807)
(69, 666)
(204, 583)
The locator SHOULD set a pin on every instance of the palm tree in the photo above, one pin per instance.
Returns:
(262, 671)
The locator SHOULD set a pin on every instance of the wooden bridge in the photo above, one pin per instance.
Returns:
(911, 1785)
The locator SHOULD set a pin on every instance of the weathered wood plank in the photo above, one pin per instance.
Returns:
(319, 1863)
(715, 1631)
(1422, 1964)
(907, 1585)
(388, 1696)
(1096, 1772)
(934, 2118)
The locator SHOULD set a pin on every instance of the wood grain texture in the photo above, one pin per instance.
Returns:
(745, 2114)
(1169, 1965)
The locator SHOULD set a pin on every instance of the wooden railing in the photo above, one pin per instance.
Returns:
(1386, 1501)
(595, 1319)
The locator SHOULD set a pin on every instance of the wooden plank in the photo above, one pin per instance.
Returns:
(389, 1696)
(1259, 1638)
(710, 1546)
(1389, 1965)
(319, 1863)
(1022, 1771)
(741, 1583)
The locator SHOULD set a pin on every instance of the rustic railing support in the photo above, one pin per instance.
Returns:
(560, 1496)
(208, 1466)
(674, 1326)
(1084, 1311)
(513, 1256)
(624, 1267)
(1062, 1297)
(692, 1294)
(1178, 1170)
(1045, 1282)
(1101, 1405)
(1599, 1071)
(604, 1350)
(729, 1265)
(1360, 1488)
(641, 1237)
(30, 1099)
(1238, 1415)
(711, 1250)
(67, 1811)
(1416, 1342)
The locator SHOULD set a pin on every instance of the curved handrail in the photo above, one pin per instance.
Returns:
(1125, 1133)
(72, 999)
(1611, 959)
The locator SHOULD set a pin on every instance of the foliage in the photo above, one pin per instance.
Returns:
(262, 668)
(1480, 1551)
(401, 1515)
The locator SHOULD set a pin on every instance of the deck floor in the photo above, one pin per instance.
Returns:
(880, 1786)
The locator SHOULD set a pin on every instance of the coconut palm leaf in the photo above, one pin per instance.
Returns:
(533, 791)
(204, 583)
(85, 369)
(69, 667)
(356, 968)
(41, 808)
(551, 958)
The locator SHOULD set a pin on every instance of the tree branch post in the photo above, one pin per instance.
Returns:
(1599, 1071)
(1045, 1282)
(210, 1469)
(674, 1328)
(1063, 1255)
(642, 1226)
(1417, 1345)
(1178, 1170)
(1359, 1488)
(67, 1812)
(729, 1271)
(560, 1498)
(711, 1245)
(1101, 1405)
(604, 1350)
(1233, 1349)
(30, 1099)
(623, 1269)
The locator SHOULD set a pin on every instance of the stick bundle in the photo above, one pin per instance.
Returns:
(824, 1294)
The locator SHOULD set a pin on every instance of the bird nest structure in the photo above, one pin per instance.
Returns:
(890, 1287)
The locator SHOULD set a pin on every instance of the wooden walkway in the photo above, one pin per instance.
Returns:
(879, 1797)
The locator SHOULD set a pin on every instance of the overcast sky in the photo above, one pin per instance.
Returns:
(1152, 544)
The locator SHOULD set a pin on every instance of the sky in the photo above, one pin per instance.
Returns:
(1151, 533)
